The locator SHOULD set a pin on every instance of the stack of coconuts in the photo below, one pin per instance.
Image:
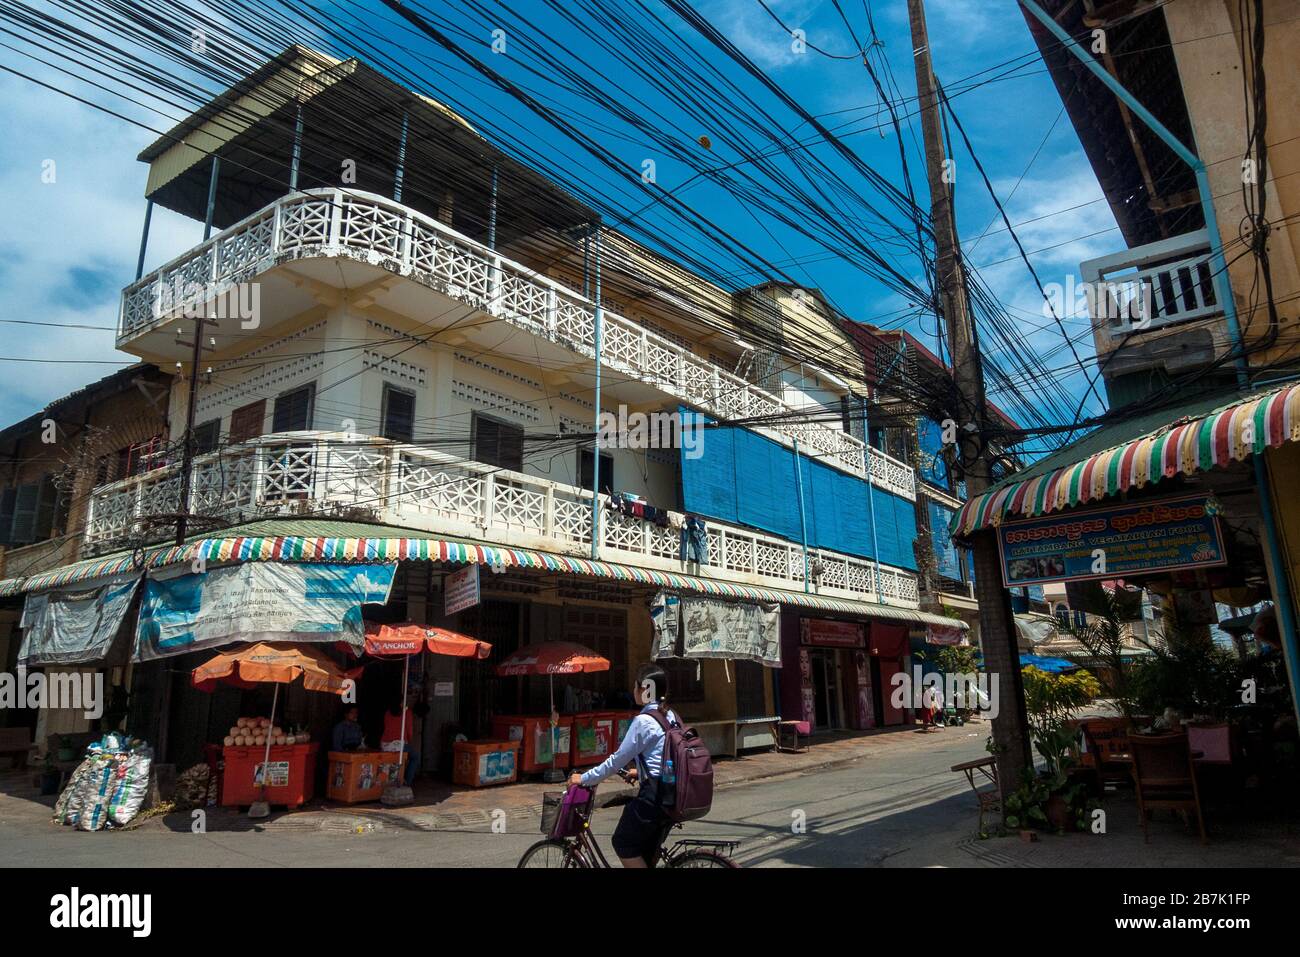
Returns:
(254, 732)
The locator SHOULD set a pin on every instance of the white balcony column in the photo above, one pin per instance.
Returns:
(212, 197)
(489, 500)
(494, 304)
(548, 512)
(400, 173)
(552, 317)
(336, 218)
(296, 160)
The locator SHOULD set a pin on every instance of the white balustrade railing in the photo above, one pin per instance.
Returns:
(336, 475)
(1148, 287)
(381, 232)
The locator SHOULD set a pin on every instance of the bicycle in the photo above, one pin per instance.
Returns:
(580, 850)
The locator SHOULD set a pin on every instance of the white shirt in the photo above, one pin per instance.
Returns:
(644, 740)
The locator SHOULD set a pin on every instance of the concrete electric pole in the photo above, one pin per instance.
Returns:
(997, 622)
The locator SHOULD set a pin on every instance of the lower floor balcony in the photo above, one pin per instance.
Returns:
(336, 475)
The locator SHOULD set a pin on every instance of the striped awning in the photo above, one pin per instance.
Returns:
(292, 548)
(1185, 446)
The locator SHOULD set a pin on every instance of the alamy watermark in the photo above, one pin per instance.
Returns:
(210, 300)
(64, 690)
(974, 691)
(651, 430)
(1114, 302)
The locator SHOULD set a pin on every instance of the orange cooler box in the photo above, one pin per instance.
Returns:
(356, 776)
(479, 764)
(292, 774)
(593, 738)
(533, 735)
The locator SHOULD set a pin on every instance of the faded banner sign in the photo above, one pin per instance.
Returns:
(1118, 542)
(258, 601)
(75, 627)
(719, 629)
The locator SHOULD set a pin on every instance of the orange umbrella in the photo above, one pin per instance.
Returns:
(552, 658)
(278, 663)
(412, 638)
(265, 661)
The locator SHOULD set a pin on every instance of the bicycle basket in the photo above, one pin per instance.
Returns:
(562, 812)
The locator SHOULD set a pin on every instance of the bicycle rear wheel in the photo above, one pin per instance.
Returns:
(703, 859)
(551, 852)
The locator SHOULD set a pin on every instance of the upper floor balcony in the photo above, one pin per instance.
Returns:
(369, 479)
(383, 254)
(1149, 288)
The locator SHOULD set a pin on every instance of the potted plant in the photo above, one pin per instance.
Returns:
(50, 776)
(67, 751)
(1051, 797)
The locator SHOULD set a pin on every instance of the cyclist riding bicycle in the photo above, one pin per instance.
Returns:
(644, 823)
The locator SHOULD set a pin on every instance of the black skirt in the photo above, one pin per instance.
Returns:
(643, 826)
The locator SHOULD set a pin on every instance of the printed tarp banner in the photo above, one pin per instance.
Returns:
(258, 601)
(720, 629)
(75, 627)
(665, 622)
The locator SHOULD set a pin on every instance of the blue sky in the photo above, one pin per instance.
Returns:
(67, 247)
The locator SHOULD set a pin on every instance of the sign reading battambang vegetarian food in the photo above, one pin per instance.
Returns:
(1117, 542)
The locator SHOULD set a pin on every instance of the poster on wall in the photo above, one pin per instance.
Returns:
(720, 629)
(807, 697)
(461, 590)
(258, 601)
(866, 713)
(1117, 542)
(665, 624)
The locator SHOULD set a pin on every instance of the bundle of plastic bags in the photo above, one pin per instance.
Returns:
(109, 787)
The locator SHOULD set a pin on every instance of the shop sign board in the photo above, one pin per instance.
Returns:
(461, 590)
(1117, 542)
(833, 634)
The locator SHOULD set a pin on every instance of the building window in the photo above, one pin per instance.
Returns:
(293, 410)
(248, 421)
(206, 436)
(398, 415)
(684, 684)
(585, 461)
(497, 443)
(31, 512)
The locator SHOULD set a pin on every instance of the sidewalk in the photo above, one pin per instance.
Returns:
(443, 807)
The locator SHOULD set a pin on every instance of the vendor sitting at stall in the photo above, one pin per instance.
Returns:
(347, 733)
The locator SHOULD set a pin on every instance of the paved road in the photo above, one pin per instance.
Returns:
(901, 807)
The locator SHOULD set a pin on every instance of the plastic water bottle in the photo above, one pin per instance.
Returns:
(670, 776)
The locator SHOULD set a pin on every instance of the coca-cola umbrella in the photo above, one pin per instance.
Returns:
(411, 638)
(552, 658)
(279, 663)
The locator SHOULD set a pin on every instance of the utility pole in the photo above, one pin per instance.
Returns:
(187, 446)
(997, 621)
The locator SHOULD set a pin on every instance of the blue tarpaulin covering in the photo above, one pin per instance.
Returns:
(1055, 665)
(747, 479)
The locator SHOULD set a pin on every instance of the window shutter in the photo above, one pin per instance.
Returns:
(399, 415)
(293, 410)
(46, 503)
(7, 498)
(24, 522)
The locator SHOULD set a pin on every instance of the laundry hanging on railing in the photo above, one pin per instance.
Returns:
(76, 626)
(258, 602)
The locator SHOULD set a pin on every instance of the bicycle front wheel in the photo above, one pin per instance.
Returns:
(552, 852)
(703, 859)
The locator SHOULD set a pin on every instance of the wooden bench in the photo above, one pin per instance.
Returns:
(16, 743)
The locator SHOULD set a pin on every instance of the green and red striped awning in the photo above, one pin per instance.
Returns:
(1246, 426)
(294, 548)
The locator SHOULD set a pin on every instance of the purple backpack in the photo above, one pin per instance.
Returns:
(692, 768)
